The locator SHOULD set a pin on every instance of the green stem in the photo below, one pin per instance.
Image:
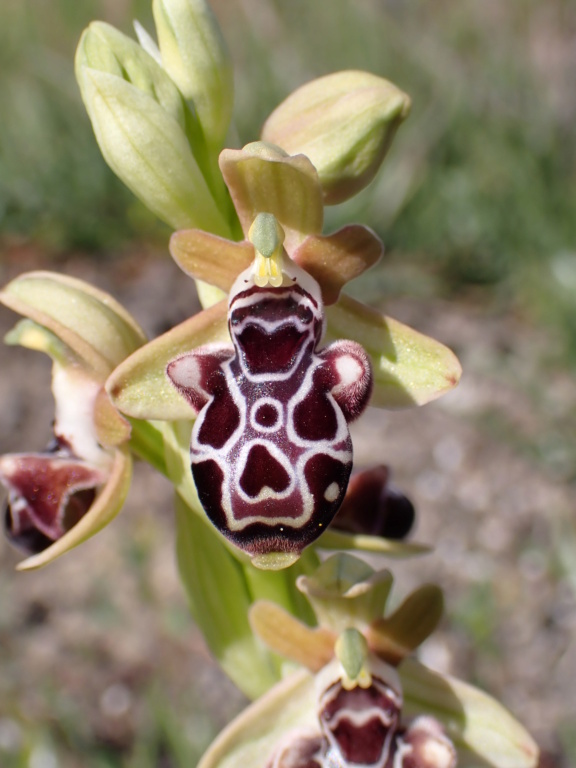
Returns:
(147, 442)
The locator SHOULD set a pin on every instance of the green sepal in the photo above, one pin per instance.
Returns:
(140, 388)
(263, 178)
(409, 368)
(333, 539)
(346, 592)
(27, 333)
(483, 730)
(89, 322)
(250, 739)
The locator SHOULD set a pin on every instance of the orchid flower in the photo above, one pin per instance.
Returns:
(283, 258)
(291, 465)
(358, 698)
(59, 497)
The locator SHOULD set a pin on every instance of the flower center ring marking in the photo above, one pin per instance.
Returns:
(266, 415)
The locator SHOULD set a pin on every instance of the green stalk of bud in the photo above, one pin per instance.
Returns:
(345, 123)
(141, 123)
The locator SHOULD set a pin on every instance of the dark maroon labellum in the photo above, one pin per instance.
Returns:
(360, 727)
(374, 507)
(48, 493)
(271, 451)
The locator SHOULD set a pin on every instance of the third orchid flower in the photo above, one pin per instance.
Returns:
(360, 699)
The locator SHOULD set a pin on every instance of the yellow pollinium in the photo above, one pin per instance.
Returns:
(267, 237)
(268, 270)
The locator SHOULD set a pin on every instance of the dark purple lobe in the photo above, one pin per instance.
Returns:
(267, 352)
(366, 740)
(327, 479)
(222, 416)
(262, 470)
(208, 478)
(267, 415)
(374, 508)
(195, 374)
(315, 417)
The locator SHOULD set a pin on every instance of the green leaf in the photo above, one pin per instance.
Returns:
(219, 601)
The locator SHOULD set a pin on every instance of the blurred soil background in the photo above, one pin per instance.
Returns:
(100, 664)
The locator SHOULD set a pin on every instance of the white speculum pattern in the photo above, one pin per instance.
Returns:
(270, 451)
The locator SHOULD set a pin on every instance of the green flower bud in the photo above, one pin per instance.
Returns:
(106, 49)
(344, 123)
(141, 122)
(195, 56)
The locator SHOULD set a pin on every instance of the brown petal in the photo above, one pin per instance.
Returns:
(334, 260)
(210, 258)
(106, 506)
(281, 632)
(48, 495)
(373, 507)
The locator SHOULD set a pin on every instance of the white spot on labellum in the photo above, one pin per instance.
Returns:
(331, 493)
(349, 370)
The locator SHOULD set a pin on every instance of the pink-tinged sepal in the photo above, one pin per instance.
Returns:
(197, 375)
(350, 375)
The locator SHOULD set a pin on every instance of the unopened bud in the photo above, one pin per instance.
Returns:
(345, 123)
(195, 56)
(140, 121)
